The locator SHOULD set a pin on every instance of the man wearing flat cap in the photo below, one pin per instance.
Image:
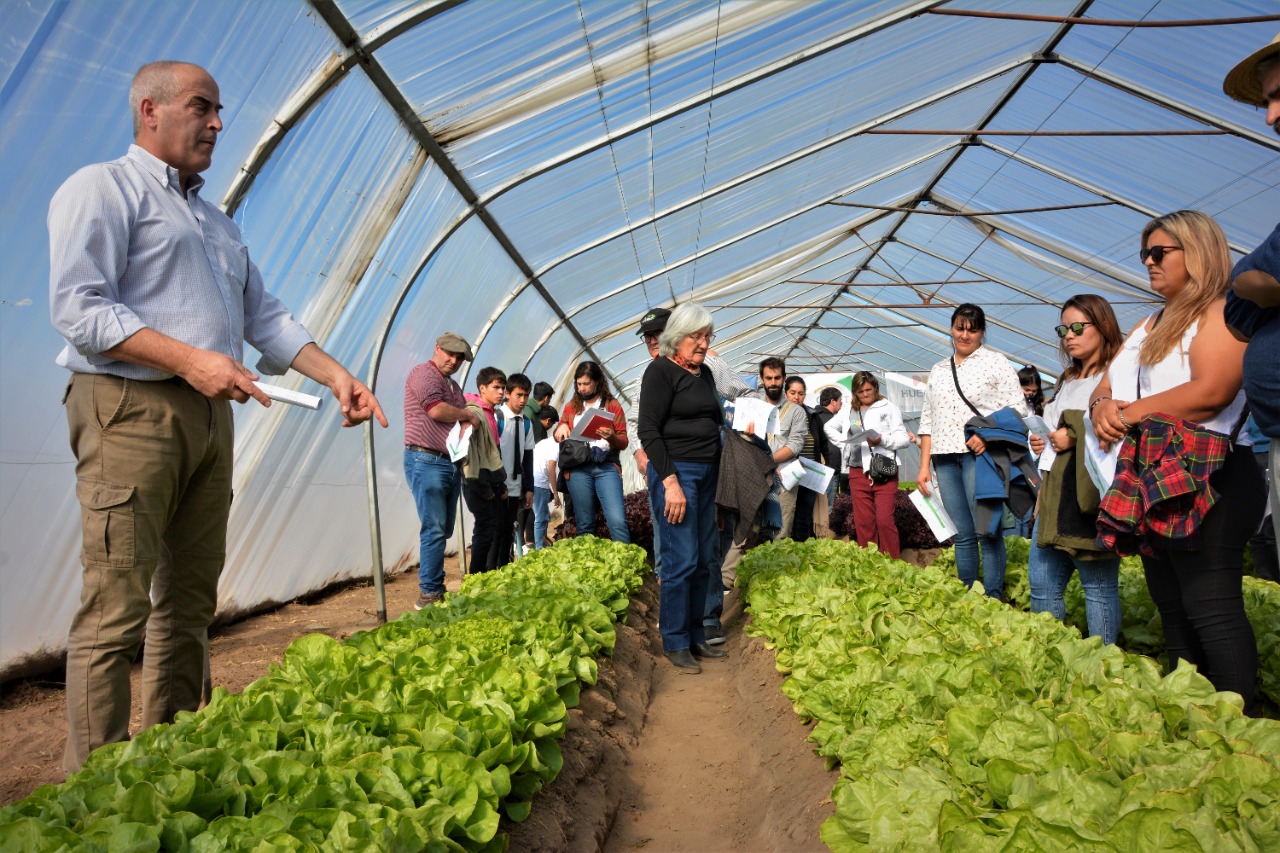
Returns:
(433, 404)
(1253, 306)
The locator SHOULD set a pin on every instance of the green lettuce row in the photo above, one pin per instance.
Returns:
(1141, 631)
(410, 737)
(961, 724)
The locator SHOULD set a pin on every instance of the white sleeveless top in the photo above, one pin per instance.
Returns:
(1173, 370)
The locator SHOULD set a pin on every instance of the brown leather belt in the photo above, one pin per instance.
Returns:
(432, 451)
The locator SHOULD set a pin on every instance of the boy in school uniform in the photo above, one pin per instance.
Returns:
(546, 455)
(515, 441)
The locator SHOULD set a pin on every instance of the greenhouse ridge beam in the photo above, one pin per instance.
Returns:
(1168, 103)
(1003, 282)
(987, 212)
(687, 259)
(895, 283)
(778, 66)
(1103, 22)
(1033, 163)
(832, 236)
(1035, 133)
(794, 157)
(1135, 283)
(1020, 80)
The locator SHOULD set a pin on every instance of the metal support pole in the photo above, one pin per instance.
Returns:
(375, 523)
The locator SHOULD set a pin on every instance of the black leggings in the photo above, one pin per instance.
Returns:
(1199, 592)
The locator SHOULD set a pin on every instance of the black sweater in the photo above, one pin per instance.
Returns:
(680, 416)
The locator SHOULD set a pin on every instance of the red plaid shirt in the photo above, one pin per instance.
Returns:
(1161, 492)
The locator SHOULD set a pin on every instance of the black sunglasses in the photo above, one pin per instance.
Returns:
(1157, 253)
(1075, 328)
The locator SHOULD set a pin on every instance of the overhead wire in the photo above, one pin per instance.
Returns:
(613, 155)
(706, 146)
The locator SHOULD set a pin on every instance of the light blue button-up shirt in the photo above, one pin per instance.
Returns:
(129, 251)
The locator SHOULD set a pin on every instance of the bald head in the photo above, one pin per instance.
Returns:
(155, 81)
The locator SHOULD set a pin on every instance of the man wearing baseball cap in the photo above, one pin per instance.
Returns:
(433, 403)
(1253, 306)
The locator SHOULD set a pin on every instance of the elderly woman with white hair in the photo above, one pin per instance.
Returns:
(679, 427)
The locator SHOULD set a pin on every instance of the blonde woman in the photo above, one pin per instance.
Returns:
(1183, 362)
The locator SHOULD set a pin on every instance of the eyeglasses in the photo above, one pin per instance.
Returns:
(1076, 329)
(1157, 253)
(651, 336)
(699, 336)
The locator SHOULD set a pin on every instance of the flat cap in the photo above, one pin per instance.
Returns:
(454, 343)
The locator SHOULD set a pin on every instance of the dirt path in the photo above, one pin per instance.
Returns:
(654, 760)
(723, 763)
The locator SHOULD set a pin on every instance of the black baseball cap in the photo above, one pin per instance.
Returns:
(654, 320)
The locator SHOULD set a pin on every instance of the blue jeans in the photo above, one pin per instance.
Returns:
(657, 533)
(599, 481)
(1049, 572)
(714, 607)
(689, 553)
(541, 516)
(436, 484)
(955, 477)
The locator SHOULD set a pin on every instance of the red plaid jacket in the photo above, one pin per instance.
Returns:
(1161, 492)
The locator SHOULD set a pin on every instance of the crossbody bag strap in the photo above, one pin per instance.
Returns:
(1244, 416)
(955, 377)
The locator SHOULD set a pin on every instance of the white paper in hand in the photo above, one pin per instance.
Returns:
(1101, 464)
(458, 441)
(791, 474)
(1036, 426)
(816, 476)
(933, 512)
(749, 410)
(288, 395)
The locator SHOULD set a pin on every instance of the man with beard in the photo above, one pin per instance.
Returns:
(785, 444)
(1253, 306)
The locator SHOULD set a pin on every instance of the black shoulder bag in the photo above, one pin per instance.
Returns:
(880, 468)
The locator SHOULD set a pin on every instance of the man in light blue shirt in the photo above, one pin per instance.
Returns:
(154, 292)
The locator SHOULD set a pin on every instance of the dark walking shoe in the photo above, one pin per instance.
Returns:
(683, 661)
(703, 650)
(715, 637)
(427, 599)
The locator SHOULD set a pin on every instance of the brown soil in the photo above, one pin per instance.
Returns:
(654, 759)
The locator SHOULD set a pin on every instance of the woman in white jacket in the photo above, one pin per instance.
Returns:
(872, 425)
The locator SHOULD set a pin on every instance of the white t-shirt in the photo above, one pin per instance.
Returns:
(1072, 394)
(544, 451)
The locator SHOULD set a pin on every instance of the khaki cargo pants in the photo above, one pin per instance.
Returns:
(153, 476)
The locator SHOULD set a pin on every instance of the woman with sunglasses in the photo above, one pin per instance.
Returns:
(1182, 362)
(974, 377)
(1091, 337)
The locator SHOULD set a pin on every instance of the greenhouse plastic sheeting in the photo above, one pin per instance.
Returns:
(535, 175)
